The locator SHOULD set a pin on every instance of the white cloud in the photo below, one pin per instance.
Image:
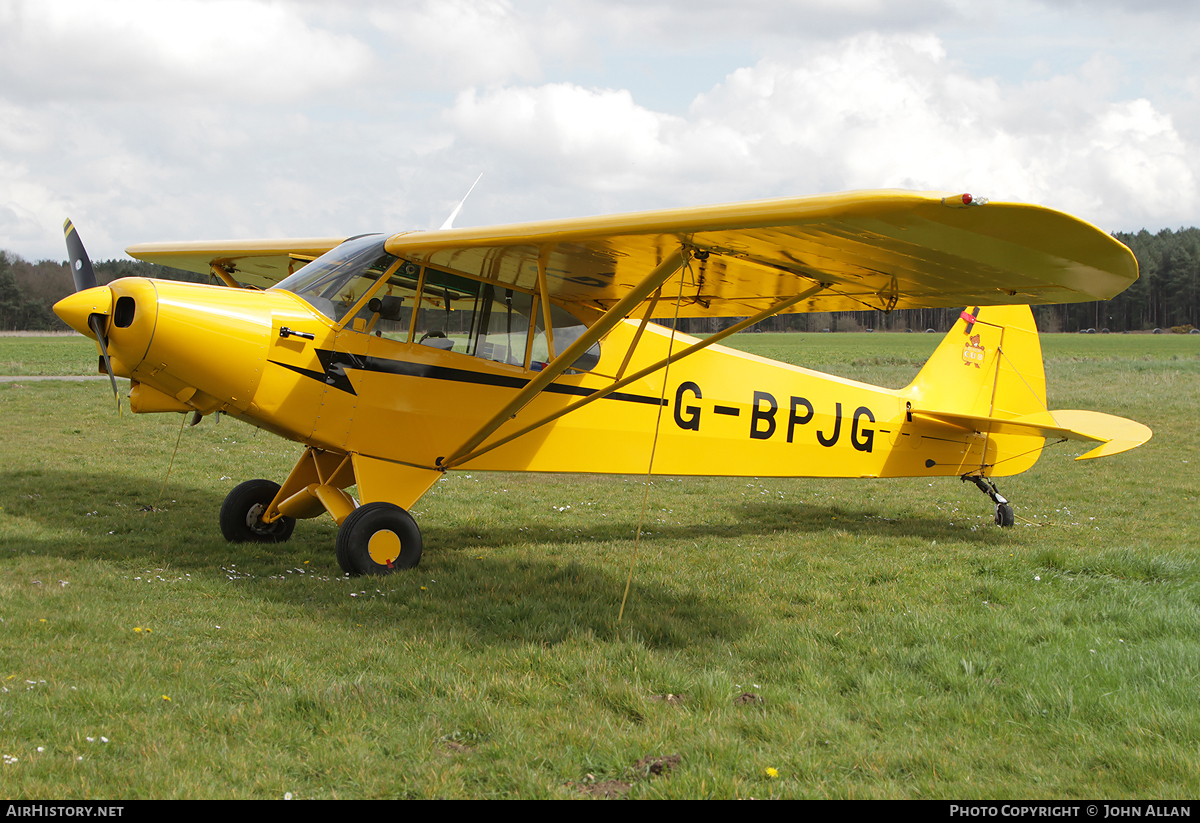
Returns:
(453, 43)
(868, 112)
(209, 118)
(597, 138)
(1135, 151)
(130, 49)
(674, 23)
(1149, 7)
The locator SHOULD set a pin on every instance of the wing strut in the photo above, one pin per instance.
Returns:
(638, 334)
(225, 277)
(661, 273)
(547, 323)
(609, 389)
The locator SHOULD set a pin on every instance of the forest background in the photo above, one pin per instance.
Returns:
(1166, 297)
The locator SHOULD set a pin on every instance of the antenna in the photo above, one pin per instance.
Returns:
(449, 224)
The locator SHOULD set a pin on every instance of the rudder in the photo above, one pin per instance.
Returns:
(989, 365)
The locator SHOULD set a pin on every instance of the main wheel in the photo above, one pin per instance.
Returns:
(1004, 515)
(378, 538)
(241, 514)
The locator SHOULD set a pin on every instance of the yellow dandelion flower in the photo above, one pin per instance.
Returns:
(772, 772)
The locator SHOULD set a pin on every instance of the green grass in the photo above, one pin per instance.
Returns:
(49, 355)
(898, 643)
(861, 355)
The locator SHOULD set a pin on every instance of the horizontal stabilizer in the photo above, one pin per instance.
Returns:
(1115, 434)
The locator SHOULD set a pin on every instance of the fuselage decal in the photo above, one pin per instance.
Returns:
(764, 407)
(336, 363)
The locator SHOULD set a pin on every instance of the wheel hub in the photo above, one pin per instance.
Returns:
(255, 522)
(384, 547)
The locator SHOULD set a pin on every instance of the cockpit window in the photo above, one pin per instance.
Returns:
(567, 329)
(333, 282)
(453, 313)
(491, 322)
(480, 319)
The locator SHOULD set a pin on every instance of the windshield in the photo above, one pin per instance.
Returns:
(334, 281)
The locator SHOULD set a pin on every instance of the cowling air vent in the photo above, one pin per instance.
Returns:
(123, 313)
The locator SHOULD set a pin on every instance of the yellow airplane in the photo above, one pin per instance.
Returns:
(395, 358)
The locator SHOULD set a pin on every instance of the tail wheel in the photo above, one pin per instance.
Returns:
(1004, 515)
(378, 538)
(242, 511)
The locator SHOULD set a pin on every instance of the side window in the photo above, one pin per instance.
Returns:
(389, 311)
(470, 317)
(386, 315)
(446, 315)
(502, 325)
(567, 329)
(490, 322)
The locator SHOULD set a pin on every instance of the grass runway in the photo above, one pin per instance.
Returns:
(784, 638)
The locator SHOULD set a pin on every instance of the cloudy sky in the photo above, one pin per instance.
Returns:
(147, 120)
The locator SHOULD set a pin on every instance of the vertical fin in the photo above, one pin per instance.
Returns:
(989, 365)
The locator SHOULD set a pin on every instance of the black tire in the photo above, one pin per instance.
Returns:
(396, 537)
(241, 514)
(1004, 515)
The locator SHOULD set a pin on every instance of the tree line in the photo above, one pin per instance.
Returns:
(1166, 296)
(28, 290)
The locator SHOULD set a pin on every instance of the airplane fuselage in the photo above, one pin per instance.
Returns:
(272, 360)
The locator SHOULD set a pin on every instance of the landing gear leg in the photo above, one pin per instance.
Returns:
(1004, 511)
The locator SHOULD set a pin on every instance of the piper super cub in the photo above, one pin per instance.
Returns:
(394, 358)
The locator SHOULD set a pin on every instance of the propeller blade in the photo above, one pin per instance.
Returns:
(81, 266)
(85, 278)
(98, 327)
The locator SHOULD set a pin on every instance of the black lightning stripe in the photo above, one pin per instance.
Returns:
(335, 365)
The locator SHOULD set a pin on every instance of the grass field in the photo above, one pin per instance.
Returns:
(784, 638)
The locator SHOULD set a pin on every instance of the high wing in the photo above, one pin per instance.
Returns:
(876, 249)
(260, 263)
